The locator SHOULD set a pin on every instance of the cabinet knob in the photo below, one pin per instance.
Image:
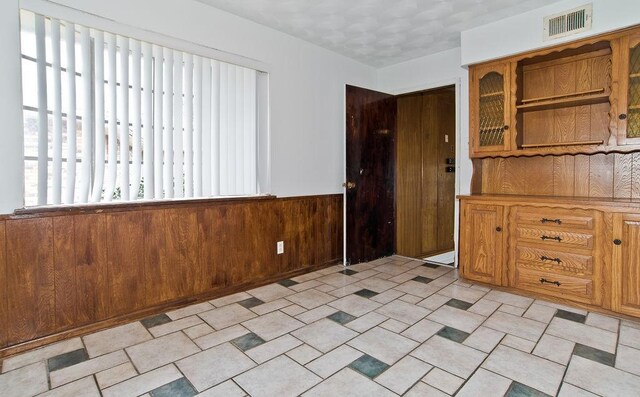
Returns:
(498, 229)
(506, 127)
(622, 116)
(617, 241)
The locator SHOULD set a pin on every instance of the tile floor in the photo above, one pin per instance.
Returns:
(389, 327)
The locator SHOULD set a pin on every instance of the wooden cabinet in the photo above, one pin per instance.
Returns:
(490, 107)
(575, 250)
(482, 242)
(626, 264)
(629, 104)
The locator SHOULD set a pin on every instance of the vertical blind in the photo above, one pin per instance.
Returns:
(109, 118)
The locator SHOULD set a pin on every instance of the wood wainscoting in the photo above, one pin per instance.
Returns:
(68, 272)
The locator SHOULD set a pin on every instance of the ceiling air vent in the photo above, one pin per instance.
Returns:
(568, 22)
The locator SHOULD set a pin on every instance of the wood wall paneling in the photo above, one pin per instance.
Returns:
(92, 283)
(30, 279)
(446, 180)
(4, 317)
(64, 263)
(429, 204)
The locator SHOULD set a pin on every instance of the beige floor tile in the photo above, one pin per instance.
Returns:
(384, 345)
(541, 313)
(355, 305)
(338, 280)
(229, 299)
(334, 361)
(271, 349)
(387, 296)
(25, 381)
(434, 301)
(220, 337)
(403, 374)
(311, 298)
(422, 389)
(456, 318)
(271, 292)
(85, 387)
(365, 274)
(527, 369)
(509, 299)
(394, 325)
(376, 284)
(325, 287)
(281, 377)
(561, 307)
(521, 327)
(391, 268)
(144, 383)
(450, 356)
(584, 334)
(601, 379)
(516, 311)
(293, 310)
(484, 307)
(410, 298)
(555, 349)
(303, 354)
(117, 338)
(402, 278)
(422, 330)
(272, 325)
(485, 384)
(630, 336)
(419, 290)
(316, 314)
(158, 352)
(484, 339)
(518, 343)
(225, 389)
(443, 380)
(306, 277)
(86, 368)
(603, 322)
(226, 316)
(462, 293)
(177, 325)
(347, 379)
(270, 306)
(568, 390)
(198, 331)
(115, 375)
(402, 311)
(627, 359)
(366, 322)
(40, 354)
(324, 335)
(305, 285)
(344, 291)
(189, 310)
(213, 366)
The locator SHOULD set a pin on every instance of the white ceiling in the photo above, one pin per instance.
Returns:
(377, 32)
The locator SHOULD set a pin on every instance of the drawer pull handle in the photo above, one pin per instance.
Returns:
(544, 280)
(557, 238)
(545, 220)
(546, 258)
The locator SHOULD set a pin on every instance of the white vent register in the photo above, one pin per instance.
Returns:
(568, 22)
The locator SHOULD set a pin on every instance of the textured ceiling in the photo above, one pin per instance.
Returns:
(377, 32)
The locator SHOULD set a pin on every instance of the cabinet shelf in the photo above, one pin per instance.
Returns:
(567, 100)
(492, 94)
(634, 75)
(556, 144)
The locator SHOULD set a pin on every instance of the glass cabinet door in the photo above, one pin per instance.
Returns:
(629, 116)
(490, 109)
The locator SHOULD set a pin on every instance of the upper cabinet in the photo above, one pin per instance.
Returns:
(576, 98)
(489, 98)
(629, 105)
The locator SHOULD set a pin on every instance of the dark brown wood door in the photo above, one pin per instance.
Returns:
(371, 129)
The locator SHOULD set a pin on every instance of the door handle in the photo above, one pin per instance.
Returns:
(349, 185)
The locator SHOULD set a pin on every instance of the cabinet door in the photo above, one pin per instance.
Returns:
(626, 264)
(629, 94)
(489, 108)
(482, 242)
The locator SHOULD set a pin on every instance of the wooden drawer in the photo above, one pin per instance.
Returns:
(555, 218)
(555, 238)
(562, 286)
(560, 260)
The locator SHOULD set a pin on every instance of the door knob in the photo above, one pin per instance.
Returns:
(349, 185)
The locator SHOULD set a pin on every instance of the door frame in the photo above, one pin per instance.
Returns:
(456, 82)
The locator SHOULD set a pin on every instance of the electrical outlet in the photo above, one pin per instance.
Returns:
(280, 247)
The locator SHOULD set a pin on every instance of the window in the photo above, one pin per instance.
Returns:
(111, 118)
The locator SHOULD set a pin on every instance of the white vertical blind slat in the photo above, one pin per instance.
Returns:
(112, 150)
(136, 118)
(188, 125)
(72, 127)
(216, 122)
(223, 104)
(158, 97)
(87, 116)
(147, 120)
(123, 114)
(167, 138)
(43, 124)
(197, 126)
(99, 129)
(178, 110)
(239, 132)
(56, 181)
(231, 130)
(249, 128)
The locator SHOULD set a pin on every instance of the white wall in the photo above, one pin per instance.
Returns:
(524, 32)
(306, 88)
(11, 142)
